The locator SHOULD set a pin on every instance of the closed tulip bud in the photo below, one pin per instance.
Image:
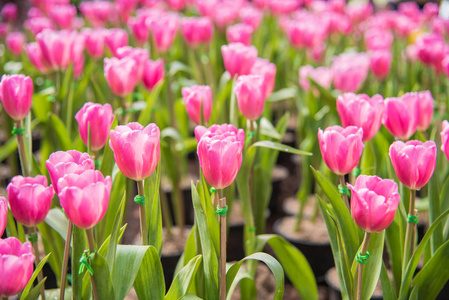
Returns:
(164, 30)
(341, 148)
(121, 75)
(223, 129)
(35, 56)
(198, 100)
(139, 55)
(3, 214)
(116, 38)
(250, 93)
(153, 73)
(380, 62)
(238, 58)
(95, 40)
(177, 4)
(413, 162)
(139, 29)
(431, 49)
(197, 30)
(99, 118)
(63, 15)
(16, 92)
(85, 197)
(268, 70)
(251, 16)
(136, 149)
(374, 202)
(56, 47)
(61, 163)
(359, 11)
(16, 266)
(444, 138)
(401, 116)
(425, 109)
(220, 158)
(239, 33)
(15, 41)
(350, 71)
(9, 12)
(29, 199)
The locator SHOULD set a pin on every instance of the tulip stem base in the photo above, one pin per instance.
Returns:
(22, 153)
(40, 276)
(65, 261)
(410, 232)
(344, 196)
(359, 271)
(91, 243)
(143, 215)
(222, 205)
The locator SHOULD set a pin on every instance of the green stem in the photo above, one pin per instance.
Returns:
(343, 185)
(22, 153)
(69, 109)
(40, 276)
(359, 272)
(409, 233)
(233, 115)
(91, 243)
(143, 215)
(165, 213)
(222, 275)
(65, 261)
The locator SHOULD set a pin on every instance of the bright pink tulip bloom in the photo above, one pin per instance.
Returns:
(125, 8)
(97, 12)
(341, 148)
(223, 129)
(63, 15)
(425, 109)
(239, 33)
(431, 10)
(95, 40)
(250, 93)
(444, 138)
(3, 214)
(56, 47)
(99, 118)
(30, 199)
(220, 159)
(225, 14)
(139, 29)
(431, 49)
(378, 39)
(309, 32)
(139, 55)
(268, 70)
(238, 58)
(61, 163)
(361, 111)
(410, 9)
(16, 92)
(359, 11)
(4, 28)
(9, 12)
(77, 55)
(164, 31)
(350, 71)
(116, 38)
(177, 4)
(35, 56)
(153, 73)
(374, 202)
(251, 16)
(15, 41)
(413, 162)
(321, 75)
(136, 149)
(77, 200)
(380, 62)
(197, 30)
(35, 12)
(121, 75)
(16, 266)
(37, 25)
(401, 116)
(198, 97)
(283, 6)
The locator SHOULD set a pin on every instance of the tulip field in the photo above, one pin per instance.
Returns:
(224, 149)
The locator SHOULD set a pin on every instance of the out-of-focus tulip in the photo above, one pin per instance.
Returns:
(136, 149)
(401, 116)
(177, 4)
(16, 266)
(16, 92)
(225, 14)
(97, 12)
(431, 49)
(268, 70)
(238, 58)
(309, 32)
(9, 12)
(425, 109)
(359, 11)
(15, 42)
(283, 6)
(223, 129)
(35, 12)
(153, 73)
(374, 202)
(77, 55)
(322, 75)
(37, 25)
(116, 38)
(77, 200)
(410, 9)
(431, 10)
(61, 163)
(139, 55)
(378, 39)
(139, 29)
(121, 75)
(251, 16)
(197, 30)
(4, 27)
(197, 98)
(63, 15)
(3, 215)
(350, 71)
(29, 199)
(164, 30)
(380, 62)
(125, 8)
(35, 56)
(95, 39)
(413, 162)
(411, 53)
(220, 159)
(361, 111)
(250, 93)
(341, 148)
(444, 138)
(239, 33)
(56, 47)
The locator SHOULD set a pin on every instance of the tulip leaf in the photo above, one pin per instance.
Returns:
(279, 147)
(283, 94)
(27, 289)
(57, 220)
(184, 279)
(61, 133)
(387, 289)
(394, 237)
(35, 292)
(8, 148)
(11, 229)
(243, 277)
(107, 164)
(102, 278)
(267, 129)
(325, 94)
(41, 106)
(151, 100)
(153, 208)
(368, 160)
(114, 239)
(79, 244)
(149, 282)
(434, 212)
(294, 263)
(190, 297)
(54, 243)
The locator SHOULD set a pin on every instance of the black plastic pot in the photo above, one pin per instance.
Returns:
(169, 263)
(187, 197)
(280, 173)
(235, 242)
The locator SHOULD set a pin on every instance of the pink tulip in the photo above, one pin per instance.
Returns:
(250, 93)
(35, 56)
(283, 6)
(359, 11)
(125, 8)
(223, 129)
(220, 159)
(444, 138)
(197, 98)
(341, 148)
(30, 199)
(309, 32)
(116, 38)
(380, 62)
(374, 202)
(37, 25)
(15, 41)
(425, 109)
(413, 162)
(95, 39)
(136, 149)
(16, 92)
(378, 39)
(225, 14)
(164, 30)
(139, 29)
(431, 49)
(76, 197)
(139, 55)
(410, 9)
(206, 7)
(411, 53)
(35, 12)
(337, 23)
(268, 70)
(431, 10)
(350, 71)
(56, 47)
(61, 163)
(97, 12)
(16, 266)
(177, 4)
(361, 111)
(153, 73)
(251, 16)
(9, 12)
(238, 58)
(99, 118)
(77, 54)
(121, 75)
(321, 75)
(63, 15)
(3, 215)
(401, 116)
(239, 33)
(4, 28)
(197, 30)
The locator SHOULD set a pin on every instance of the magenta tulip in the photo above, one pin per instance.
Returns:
(63, 15)
(153, 73)
(99, 118)
(425, 109)
(220, 159)
(374, 202)
(223, 129)
(251, 16)
(380, 62)
(238, 58)
(341, 148)
(16, 266)
(164, 29)
(250, 93)
(85, 197)
(359, 11)
(413, 162)
(431, 49)
(401, 116)
(321, 75)
(9, 12)
(16, 92)
(139, 29)
(97, 13)
(61, 163)
(56, 47)
(38, 25)
(3, 215)
(116, 38)
(198, 101)
(122, 75)
(30, 199)
(361, 111)
(95, 40)
(15, 41)
(268, 70)
(139, 55)
(431, 10)
(136, 149)
(378, 39)
(239, 33)
(225, 14)
(350, 71)
(35, 56)
(197, 30)
(444, 138)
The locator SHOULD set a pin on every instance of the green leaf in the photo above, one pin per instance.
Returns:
(283, 94)
(113, 241)
(58, 221)
(102, 278)
(149, 283)
(60, 132)
(30, 283)
(79, 244)
(190, 297)
(368, 160)
(279, 147)
(151, 99)
(434, 212)
(8, 148)
(107, 164)
(394, 238)
(184, 279)
(153, 209)
(267, 129)
(387, 288)
(35, 292)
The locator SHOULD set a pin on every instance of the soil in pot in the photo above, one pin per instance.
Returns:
(291, 206)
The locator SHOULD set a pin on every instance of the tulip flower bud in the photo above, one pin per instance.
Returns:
(251, 16)
(140, 29)
(341, 148)
(16, 92)
(116, 38)
(35, 56)
(38, 25)
(431, 49)
(164, 30)
(239, 33)
(223, 129)
(3, 215)
(444, 138)
(136, 149)
(153, 73)
(197, 31)
(30, 199)
(380, 62)
(63, 15)
(198, 100)
(121, 75)
(350, 71)
(15, 41)
(95, 39)
(425, 109)
(97, 12)
(268, 70)
(9, 12)
(250, 94)
(76, 197)
(16, 266)
(139, 55)
(238, 58)
(56, 47)
(401, 116)
(321, 75)
(374, 202)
